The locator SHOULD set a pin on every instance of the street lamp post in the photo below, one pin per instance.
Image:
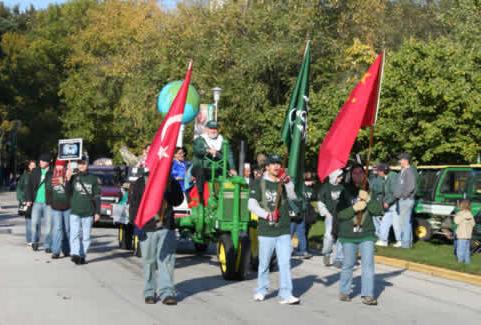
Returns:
(216, 92)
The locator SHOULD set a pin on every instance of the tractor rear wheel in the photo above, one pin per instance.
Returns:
(423, 229)
(227, 257)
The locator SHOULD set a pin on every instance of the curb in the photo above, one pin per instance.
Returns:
(430, 270)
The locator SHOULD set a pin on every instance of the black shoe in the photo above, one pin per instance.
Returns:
(75, 259)
(55, 256)
(150, 300)
(35, 246)
(48, 250)
(66, 255)
(169, 300)
(82, 261)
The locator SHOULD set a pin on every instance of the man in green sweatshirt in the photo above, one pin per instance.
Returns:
(85, 207)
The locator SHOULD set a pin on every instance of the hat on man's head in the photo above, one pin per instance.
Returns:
(404, 155)
(212, 125)
(273, 159)
(83, 160)
(45, 157)
(382, 167)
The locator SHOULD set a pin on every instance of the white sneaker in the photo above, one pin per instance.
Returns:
(381, 243)
(29, 244)
(259, 297)
(290, 301)
(397, 244)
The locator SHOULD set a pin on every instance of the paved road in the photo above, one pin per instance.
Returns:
(108, 290)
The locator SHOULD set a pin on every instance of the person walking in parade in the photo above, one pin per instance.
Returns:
(85, 209)
(59, 194)
(35, 195)
(355, 213)
(328, 199)
(273, 228)
(404, 192)
(24, 210)
(391, 217)
(157, 242)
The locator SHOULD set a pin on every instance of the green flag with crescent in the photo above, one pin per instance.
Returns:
(294, 130)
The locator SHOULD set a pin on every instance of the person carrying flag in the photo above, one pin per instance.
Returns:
(157, 242)
(274, 228)
(357, 234)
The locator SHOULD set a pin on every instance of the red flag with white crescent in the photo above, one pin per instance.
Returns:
(161, 153)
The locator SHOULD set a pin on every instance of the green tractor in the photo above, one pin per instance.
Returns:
(224, 220)
(440, 188)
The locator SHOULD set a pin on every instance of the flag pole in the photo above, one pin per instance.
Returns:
(371, 133)
(359, 216)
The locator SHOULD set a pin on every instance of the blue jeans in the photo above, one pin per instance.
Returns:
(61, 229)
(282, 246)
(462, 251)
(300, 230)
(377, 220)
(41, 211)
(391, 218)
(158, 255)
(328, 241)
(80, 227)
(366, 250)
(405, 210)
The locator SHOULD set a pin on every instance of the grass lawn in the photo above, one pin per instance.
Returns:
(435, 253)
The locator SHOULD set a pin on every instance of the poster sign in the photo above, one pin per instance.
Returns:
(70, 149)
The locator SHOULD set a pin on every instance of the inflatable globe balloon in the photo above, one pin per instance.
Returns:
(167, 96)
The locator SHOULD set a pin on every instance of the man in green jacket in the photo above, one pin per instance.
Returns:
(207, 147)
(391, 217)
(355, 213)
(85, 207)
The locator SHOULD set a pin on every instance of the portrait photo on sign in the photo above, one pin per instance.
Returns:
(70, 149)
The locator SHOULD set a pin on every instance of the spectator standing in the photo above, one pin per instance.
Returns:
(465, 223)
(404, 192)
(179, 166)
(391, 217)
(21, 198)
(376, 184)
(36, 196)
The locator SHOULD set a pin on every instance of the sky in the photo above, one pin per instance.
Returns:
(42, 4)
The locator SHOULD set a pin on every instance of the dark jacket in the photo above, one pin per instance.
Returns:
(200, 154)
(22, 186)
(173, 195)
(84, 202)
(34, 182)
(59, 196)
(346, 214)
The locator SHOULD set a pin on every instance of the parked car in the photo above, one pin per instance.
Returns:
(111, 178)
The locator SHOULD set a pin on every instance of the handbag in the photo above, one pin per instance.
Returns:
(24, 210)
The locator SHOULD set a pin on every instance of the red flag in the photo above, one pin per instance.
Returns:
(159, 159)
(359, 111)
